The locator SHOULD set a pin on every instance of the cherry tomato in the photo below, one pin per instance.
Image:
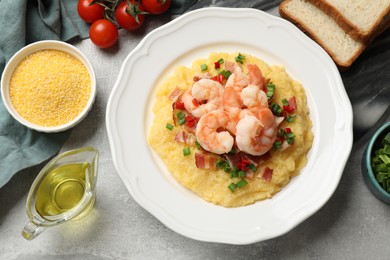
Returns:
(89, 13)
(103, 33)
(156, 6)
(130, 16)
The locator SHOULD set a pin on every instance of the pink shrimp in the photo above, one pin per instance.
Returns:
(252, 96)
(237, 81)
(205, 96)
(210, 132)
(232, 104)
(246, 89)
(236, 102)
(256, 133)
(255, 76)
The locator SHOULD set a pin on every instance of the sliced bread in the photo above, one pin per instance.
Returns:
(324, 30)
(360, 18)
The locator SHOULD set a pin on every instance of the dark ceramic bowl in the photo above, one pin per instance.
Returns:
(368, 174)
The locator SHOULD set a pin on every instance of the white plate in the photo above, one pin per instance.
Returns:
(194, 35)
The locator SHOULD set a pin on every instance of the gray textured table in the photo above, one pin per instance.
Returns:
(352, 224)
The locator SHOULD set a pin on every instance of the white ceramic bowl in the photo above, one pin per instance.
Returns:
(38, 46)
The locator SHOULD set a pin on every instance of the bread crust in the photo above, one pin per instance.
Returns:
(381, 24)
(312, 34)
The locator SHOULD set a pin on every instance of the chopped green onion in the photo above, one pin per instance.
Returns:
(181, 118)
(270, 90)
(241, 183)
(234, 173)
(290, 137)
(169, 126)
(221, 164)
(221, 61)
(276, 109)
(284, 102)
(203, 67)
(380, 167)
(241, 174)
(252, 167)
(225, 73)
(282, 133)
(290, 118)
(386, 149)
(186, 151)
(181, 121)
(198, 145)
(386, 140)
(385, 158)
(240, 58)
(381, 177)
(277, 145)
(232, 151)
(180, 115)
(232, 187)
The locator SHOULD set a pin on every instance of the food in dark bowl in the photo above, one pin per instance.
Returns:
(376, 163)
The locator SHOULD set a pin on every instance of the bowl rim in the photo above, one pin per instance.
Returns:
(35, 47)
(368, 157)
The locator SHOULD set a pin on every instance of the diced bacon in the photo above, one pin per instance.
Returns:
(206, 160)
(185, 137)
(175, 94)
(241, 160)
(254, 159)
(292, 105)
(266, 174)
(236, 158)
(233, 159)
(249, 174)
(202, 76)
(258, 159)
(232, 67)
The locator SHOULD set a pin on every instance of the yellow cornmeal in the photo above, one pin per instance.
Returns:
(50, 88)
(212, 185)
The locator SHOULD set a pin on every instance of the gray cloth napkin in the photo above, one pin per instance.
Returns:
(23, 22)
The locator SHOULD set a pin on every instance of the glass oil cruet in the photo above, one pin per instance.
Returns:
(63, 190)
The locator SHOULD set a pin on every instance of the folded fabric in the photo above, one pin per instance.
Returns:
(23, 22)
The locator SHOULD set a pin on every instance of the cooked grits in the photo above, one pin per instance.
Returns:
(212, 185)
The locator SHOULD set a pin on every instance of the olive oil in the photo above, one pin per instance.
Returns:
(61, 189)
